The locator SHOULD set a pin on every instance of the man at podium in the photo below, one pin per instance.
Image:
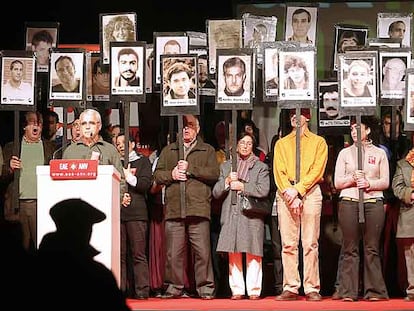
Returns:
(92, 146)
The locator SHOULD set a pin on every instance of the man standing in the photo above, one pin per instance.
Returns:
(33, 152)
(301, 22)
(199, 171)
(234, 71)
(179, 82)
(299, 205)
(92, 146)
(128, 67)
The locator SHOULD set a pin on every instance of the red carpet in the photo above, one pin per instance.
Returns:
(267, 303)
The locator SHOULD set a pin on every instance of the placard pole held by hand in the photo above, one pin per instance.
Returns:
(181, 157)
(234, 152)
(361, 211)
(298, 132)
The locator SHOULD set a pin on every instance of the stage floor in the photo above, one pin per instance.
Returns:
(267, 303)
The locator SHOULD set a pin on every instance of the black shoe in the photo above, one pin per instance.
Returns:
(170, 296)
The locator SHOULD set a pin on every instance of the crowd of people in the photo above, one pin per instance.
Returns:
(198, 191)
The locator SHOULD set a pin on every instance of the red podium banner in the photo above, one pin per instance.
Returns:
(73, 169)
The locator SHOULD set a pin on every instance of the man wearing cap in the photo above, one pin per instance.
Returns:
(299, 205)
(67, 269)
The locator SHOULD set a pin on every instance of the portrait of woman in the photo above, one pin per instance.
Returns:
(116, 28)
(358, 81)
(297, 70)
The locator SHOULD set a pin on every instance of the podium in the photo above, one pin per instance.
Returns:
(102, 192)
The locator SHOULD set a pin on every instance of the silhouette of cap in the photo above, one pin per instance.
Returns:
(75, 213)
(303, 111)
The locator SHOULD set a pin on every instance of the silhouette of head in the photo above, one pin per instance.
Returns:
(75, 218)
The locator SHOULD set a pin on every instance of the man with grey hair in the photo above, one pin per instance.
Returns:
(92, 146)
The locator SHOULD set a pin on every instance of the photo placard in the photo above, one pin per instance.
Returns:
(18, 80)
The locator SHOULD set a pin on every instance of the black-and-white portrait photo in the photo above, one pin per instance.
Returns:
(409, 106)
(168, 44)
(100, 79)
(301, 24)
(116, 28)
(18, 79)
(256, 30)
(41, 40)
(127, 69)
(66, 75)
(297, 75)
(234, 79)
(348, 37)
(393, 67)
(206, 85)
(149, 63)
(358, 81)
(271, 72)
(222, 34)
(179, 87)
(395, 26)
(329, 109)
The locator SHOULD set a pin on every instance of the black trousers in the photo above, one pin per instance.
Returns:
(134, 236)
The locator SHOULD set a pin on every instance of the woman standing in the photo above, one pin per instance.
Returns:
(240, 234)
(372, 179)
(403, 187)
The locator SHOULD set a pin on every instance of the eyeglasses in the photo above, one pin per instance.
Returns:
(245, 143)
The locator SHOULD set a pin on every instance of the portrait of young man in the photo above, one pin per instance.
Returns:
(168, 44)
(395, 27)
(67, 75)
(271, 72)
(100, 79)
(234, 79)
(18, 81)
(301, 24)
(329, 108)
(179, 88)
(347, 37)
(127, 69)
(41, 41)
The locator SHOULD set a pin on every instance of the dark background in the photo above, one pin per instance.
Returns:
(79, 20)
